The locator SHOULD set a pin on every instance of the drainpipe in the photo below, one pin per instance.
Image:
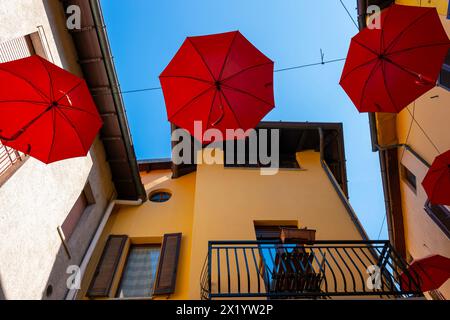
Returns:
(72, 293)
(407, 147)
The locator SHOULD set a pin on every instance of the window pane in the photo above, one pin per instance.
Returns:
(140, 271)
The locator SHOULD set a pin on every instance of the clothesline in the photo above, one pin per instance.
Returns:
(322, 62)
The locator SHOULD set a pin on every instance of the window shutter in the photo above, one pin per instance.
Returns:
(168, 262)
(106, 268)
(444, 77)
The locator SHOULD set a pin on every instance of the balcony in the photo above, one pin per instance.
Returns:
(318, 270)
(8, 157)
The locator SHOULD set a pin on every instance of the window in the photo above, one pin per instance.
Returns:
(84, 201)
(150, 269)
(139, 275)
(444, 77)
(159, 196)
(440, 215)
(409, 178)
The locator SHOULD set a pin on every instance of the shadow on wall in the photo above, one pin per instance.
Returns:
(2, 294)
(63, 40)
(56, 287)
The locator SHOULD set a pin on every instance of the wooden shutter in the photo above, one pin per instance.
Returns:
(106, 268)
(168, 262)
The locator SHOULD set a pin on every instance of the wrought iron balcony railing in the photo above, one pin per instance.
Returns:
(322, 269)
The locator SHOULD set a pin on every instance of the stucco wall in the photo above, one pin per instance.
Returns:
(38, 197)
(148, 223)
(229, 200)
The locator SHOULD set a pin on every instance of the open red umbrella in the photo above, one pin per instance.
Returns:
(45, 111)
(428, 273)
(221, 80)
(437, 180)
(388, 68)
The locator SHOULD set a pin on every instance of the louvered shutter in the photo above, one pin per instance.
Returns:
(168, 262)
(106, 268)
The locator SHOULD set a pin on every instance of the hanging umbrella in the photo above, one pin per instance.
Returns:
(221, 80)
(428, 273)
(388, 68)
(437, 180)
(45, 111)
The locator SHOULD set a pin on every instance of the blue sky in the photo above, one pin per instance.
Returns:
(145, 35)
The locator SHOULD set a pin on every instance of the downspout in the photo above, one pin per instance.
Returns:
(115, 88)
(407, 147)
(72, 293)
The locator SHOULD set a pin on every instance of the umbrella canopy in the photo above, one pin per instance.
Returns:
(437, 180)
(45, 111)
(388, 68)
(429, 273)
(221, 80)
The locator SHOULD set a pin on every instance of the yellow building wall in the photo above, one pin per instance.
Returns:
(217, 203)
(147, 224)
(229, 200)
(432, 113)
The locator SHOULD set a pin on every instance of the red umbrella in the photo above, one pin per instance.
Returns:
(221, 80)
(437, 180)
(388, 68)
(45, 111)
(428, 273)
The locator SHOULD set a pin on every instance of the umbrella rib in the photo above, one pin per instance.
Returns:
(396, 39)
(419, 47)
(383, 68)
(212, 105)
(52, 94)
(64, 106)
(382, 30)
(247, 93)
(367, 81)
(366, 47)
(73, 128)
(73, 88)
(230, 107)
(24, 101)
(42, 94)
(189, 77)
(53, 135)
(191, 101)
(226, 57)
(25, 127)
(357, 67)
(415, 74)
(201, 57)
(246, 69)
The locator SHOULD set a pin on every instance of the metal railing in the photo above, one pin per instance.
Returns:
(8, 157)
(322, 269)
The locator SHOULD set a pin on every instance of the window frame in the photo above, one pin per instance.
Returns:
(89, 203)
(445, 69)
(406, 174)
(122, 273)
(160, 194)
(428, 207)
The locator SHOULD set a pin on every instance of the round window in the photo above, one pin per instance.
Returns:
(160, 196)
